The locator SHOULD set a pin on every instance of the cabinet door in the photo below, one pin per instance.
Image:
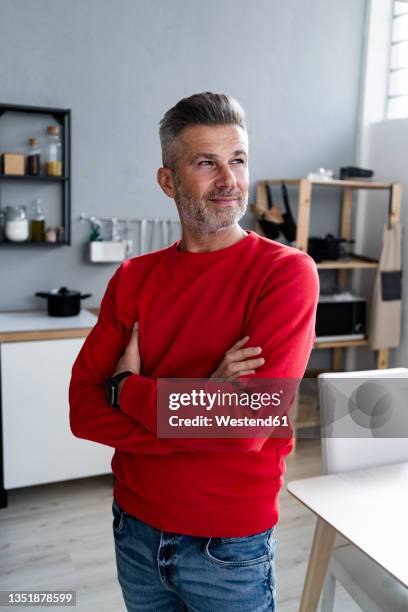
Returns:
(38, 445)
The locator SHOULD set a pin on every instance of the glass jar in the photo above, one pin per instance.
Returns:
(16, 223)
(53, 165)
(33, 157)
(37, 223)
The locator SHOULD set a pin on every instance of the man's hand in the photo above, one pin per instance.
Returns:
(237, 361)
(130, 359)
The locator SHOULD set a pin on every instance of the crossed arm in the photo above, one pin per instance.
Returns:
(286, 340)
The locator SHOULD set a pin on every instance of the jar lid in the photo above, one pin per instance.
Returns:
(53, 129)
(32, 141)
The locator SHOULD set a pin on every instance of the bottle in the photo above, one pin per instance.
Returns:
(60, 234)
(33, 158)
(37, 223)
(2, 224)
(53, 165)
(16, 223)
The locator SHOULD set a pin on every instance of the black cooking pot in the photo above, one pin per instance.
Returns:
(63, 302)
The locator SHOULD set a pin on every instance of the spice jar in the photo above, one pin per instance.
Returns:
(37, 223)
(51, 234)
(53, 165)
(16, 223)
(33, 158)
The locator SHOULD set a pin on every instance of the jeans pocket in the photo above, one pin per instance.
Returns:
(118, 518)
(241, 551)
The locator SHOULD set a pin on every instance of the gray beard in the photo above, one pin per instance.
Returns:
(203, 217)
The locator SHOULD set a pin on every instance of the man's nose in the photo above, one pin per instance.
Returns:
(225, 177)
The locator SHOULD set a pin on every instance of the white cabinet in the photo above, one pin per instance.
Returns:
(38, 445)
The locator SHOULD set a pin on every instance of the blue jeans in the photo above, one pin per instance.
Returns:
(159, 570)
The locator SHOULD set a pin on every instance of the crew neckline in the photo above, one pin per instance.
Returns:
(205, 256)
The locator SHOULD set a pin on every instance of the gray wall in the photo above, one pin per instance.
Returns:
(295, 67)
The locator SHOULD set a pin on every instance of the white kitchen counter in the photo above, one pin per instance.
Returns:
(39, 320)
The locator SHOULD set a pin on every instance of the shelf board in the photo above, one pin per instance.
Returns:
(340, 344)
(361, 184)
(25, 177)
(24, 108)
(349, 263)
(28, 243)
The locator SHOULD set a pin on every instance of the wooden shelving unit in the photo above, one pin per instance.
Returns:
(343, 266)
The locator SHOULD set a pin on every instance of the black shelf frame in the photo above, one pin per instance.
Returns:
(63, 117)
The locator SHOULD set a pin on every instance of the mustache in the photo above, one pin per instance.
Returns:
(222, 193)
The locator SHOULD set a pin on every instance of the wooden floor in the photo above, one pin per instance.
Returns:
(59, 536)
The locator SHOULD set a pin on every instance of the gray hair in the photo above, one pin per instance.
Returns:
(205, 108)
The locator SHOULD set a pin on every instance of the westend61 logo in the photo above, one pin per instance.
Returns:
(205, 408)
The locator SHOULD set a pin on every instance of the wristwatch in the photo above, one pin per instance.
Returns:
(112, 388)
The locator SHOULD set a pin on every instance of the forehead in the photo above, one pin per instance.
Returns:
(213, 139)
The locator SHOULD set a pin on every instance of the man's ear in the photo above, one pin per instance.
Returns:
(165, 178)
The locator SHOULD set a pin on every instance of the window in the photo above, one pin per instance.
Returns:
(397, 101)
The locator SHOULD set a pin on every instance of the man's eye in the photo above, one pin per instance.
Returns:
(238, 161)
(205, 162)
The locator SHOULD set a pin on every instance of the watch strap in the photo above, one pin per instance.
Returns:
(112, 387)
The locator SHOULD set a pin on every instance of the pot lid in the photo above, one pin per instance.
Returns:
(63, 291)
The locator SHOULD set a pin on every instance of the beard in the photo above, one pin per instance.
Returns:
(203, 216)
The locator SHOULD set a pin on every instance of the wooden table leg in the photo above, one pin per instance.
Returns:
(322, 546)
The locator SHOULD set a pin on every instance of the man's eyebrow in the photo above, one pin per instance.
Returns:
(214, 156)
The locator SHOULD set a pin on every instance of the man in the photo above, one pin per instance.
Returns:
(194, 518)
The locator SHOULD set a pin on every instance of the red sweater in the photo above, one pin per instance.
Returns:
(191, 308)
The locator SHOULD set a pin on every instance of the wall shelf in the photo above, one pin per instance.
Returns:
(354, 262)
(18, 177)
(351, 184)
(31, 243)
(63, 117)
(338, 344)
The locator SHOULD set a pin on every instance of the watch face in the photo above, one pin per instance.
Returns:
(112, 387)
(111, 393)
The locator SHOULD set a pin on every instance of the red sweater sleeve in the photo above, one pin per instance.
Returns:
(282, 323)
(90, 415)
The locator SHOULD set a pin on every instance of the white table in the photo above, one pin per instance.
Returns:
(368, 507)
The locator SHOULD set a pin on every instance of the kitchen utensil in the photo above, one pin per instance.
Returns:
(165, 236)
(321, 174)
(63, 302)
(326, 247)
(353, 172)
(177, 231)
(128, 241)
(271, 220)
(115, 229)
(155, 223)
(142, 241)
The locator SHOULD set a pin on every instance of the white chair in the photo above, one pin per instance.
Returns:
(348, 443)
